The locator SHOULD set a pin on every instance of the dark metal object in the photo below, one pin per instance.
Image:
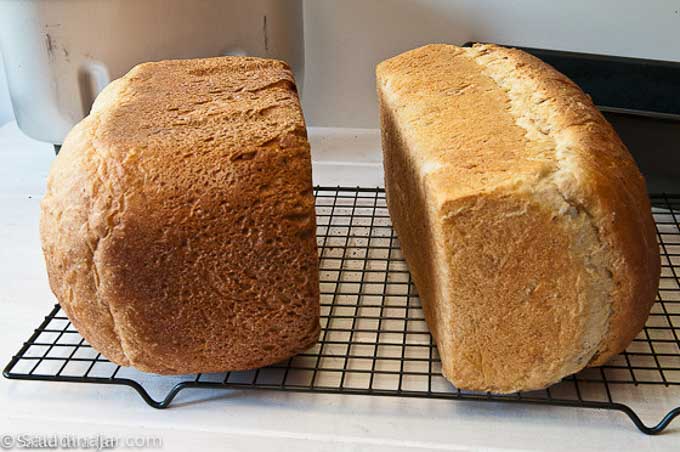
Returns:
(654, 142)
(640, 98)
(634, 84)
(374, 339)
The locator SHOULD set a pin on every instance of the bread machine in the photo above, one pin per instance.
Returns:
(59, 54)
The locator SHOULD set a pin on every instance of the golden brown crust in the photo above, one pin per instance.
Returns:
(179, 227)
(539, 252)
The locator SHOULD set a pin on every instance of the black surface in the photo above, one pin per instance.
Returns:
(628, 83)
(648, 94)
(374, 339)
(654, 142)
(618, 82)
(640, 98)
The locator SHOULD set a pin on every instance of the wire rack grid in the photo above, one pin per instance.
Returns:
(374, 339)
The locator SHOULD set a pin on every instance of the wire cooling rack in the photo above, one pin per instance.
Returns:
(374, 339)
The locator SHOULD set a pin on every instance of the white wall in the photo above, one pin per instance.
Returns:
(344, 39)
(6, 113)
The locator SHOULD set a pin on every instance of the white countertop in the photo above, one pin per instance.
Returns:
(258, 420)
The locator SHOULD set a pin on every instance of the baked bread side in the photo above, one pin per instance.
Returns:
(178, 225)
(523, 218)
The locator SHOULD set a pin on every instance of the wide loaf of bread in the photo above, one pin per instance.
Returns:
(178, 225)
(523, 218)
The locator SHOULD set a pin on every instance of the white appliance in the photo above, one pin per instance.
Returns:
(60, 53)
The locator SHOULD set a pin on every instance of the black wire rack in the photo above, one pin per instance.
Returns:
(374, 339)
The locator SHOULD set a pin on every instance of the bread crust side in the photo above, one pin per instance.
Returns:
(607, 185)
(488, 139)
(179, 224)
(74, 218)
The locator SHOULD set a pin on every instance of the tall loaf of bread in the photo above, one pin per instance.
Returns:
(178, 225)
(523, 218)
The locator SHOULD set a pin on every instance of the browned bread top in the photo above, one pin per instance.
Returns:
(485, 124)
(178, 225)
(233, 102)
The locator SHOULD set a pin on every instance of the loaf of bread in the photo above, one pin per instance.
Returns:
(522, 217)
(178, 225)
